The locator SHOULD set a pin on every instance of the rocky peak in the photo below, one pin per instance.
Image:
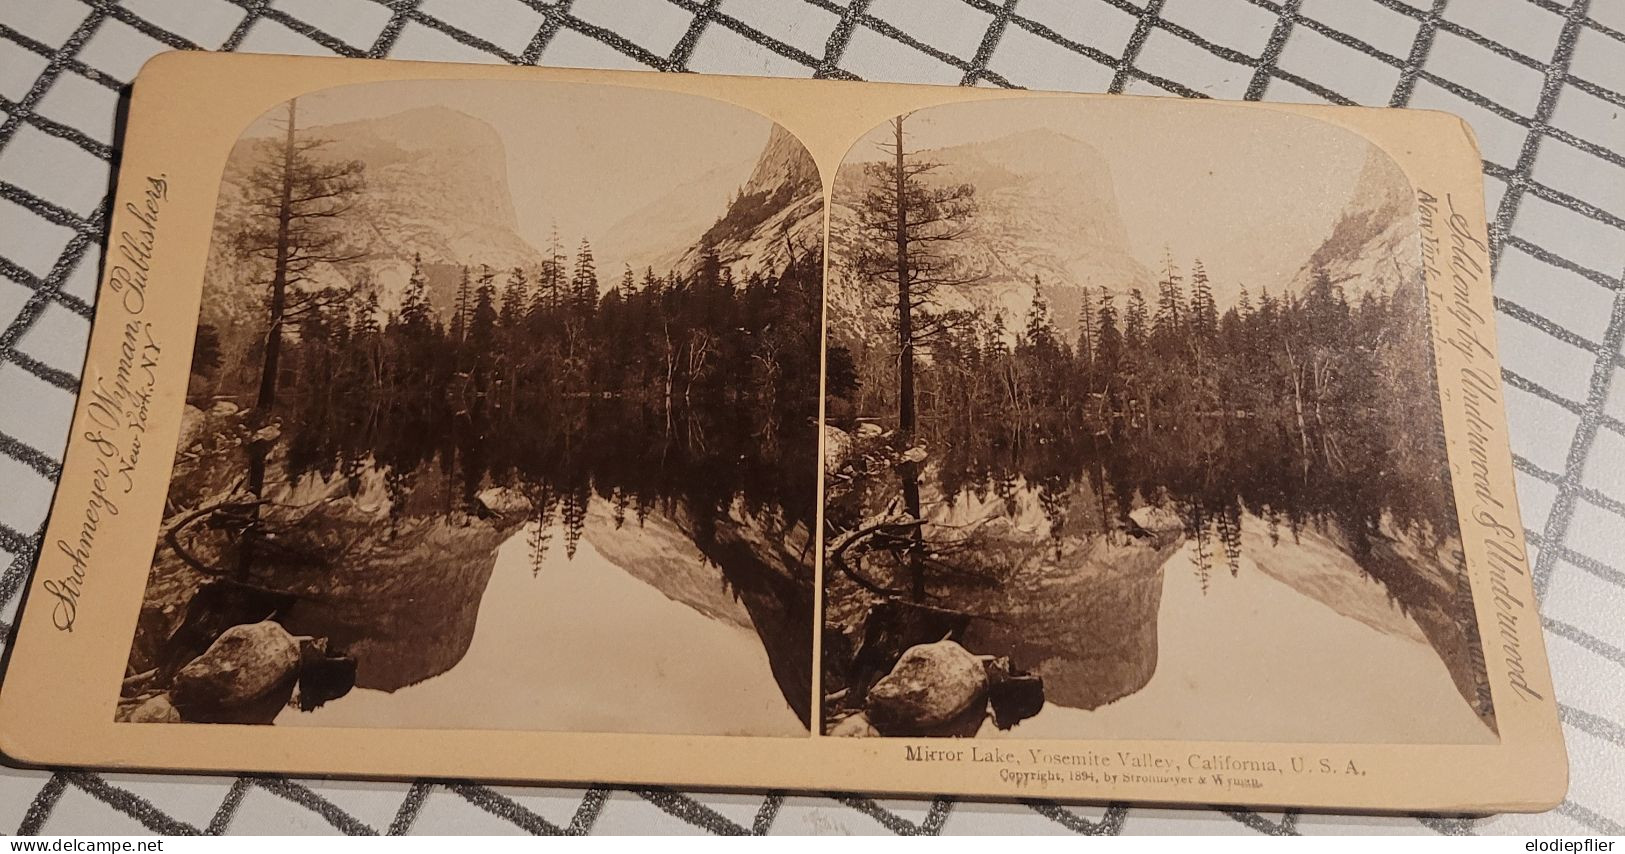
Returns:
(783, 166)
(1376, 242)
(784, 176)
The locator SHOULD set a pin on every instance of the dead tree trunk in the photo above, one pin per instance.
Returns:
(908, 469)
(1297, 406)
(260, 448)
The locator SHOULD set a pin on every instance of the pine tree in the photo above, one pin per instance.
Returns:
(1234, 329)
(584, 284)
(365, 321)
(1086, 327)
(550, 290)
(1230, 537)
(1269, 308)
(575, 520)
(1169, 324)
(619, 501)
(369, 350)
(483, 315)
(1204, 312)
(463, 310)
(515, 297)
(415, 312)
(1108, 339)
(1040, 332)
(993, 344)
(900, 221)
(1134, 322)
(542, 505)
(709, 269)
(299, 204)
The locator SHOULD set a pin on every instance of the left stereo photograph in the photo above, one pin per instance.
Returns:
(501, 415)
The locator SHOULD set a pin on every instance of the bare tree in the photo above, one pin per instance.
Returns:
(906, 222)
(297, 203)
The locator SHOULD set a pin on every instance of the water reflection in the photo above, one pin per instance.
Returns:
(1188, 583)
(637, 632)
(574, 562)
(1297, 646)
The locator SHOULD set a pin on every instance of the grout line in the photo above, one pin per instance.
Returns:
(1285, 18)
(1517, 182)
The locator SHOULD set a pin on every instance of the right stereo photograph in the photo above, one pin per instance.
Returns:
(1132, 432)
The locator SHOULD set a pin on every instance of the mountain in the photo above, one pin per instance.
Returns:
(751, 569)
(658, 234)
(1046, 207)
(1375, 244)
(779, 205)
(435, 183)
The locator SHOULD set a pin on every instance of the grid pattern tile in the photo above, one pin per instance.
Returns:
(1541, 81)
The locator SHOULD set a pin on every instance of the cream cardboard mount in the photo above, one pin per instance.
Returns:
(579, 426)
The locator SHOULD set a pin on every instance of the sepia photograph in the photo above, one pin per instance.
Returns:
(502, 414)
(1133, 431)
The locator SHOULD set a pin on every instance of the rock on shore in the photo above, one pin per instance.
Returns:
(931, 685)
(244, 664)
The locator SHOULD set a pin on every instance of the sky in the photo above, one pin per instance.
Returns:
(581, 155)
(1251, 192)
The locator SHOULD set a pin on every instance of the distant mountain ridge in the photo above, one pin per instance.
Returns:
(779, 206)
(1047, 221)
(1375, 245)
(438, 182)
(437, 186)
(1046, 209)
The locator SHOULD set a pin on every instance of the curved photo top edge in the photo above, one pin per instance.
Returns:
(502, 415)
(1133, 432)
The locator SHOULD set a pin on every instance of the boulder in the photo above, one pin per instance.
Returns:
(889, 629)
(854, 726)
(932, 685)
(155, 710)
(1157, 520)
(870, 430)
(837, 444)
(503, 501)
(218, 605)
(266, 435)
(191, 426)
(244, 664)
(311, 650)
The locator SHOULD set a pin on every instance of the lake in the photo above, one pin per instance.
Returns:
(589, 644)
(1255, 658)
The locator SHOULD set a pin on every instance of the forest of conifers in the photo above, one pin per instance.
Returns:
(1286, 408)
(1298, 406)
(702, 387)
(687, 385)
(664, 386)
